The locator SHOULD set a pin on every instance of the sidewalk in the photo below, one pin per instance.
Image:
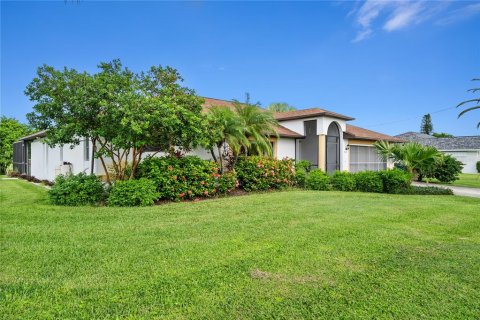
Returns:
(458, 191)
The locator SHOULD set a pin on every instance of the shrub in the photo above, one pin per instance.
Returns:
(227, 182)
(395, 181)
(260, 173)
(368, 181)
(343, 181)
(478, 166)
(416, 190)
(318, 180)
(300, 178)
(448, 170)
(303, 164)
(187, 177)
(129, 193)
(76, 190)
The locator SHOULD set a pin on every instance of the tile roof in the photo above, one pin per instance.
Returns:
(307, 113)
(455, 143)
(287, 133)
(354, 132)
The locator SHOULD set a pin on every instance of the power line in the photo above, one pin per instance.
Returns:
(408, 119)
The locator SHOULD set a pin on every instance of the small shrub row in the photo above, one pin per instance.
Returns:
(15, 174)
(260, 173)
(386, 181)
(417, 190)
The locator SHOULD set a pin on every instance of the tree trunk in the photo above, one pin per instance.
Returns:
(94, 148)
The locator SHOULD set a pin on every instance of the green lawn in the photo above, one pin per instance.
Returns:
(466, 180)
(296, 254)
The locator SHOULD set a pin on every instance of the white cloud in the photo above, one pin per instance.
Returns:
(461, 14)
(404, 15)
(390, 16)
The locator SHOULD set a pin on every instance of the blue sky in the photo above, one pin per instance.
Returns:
(384, 63)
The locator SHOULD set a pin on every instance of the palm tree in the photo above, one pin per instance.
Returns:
(475, 100)
(280, 107)
(226, 129)
(416, 158)
(259, 125)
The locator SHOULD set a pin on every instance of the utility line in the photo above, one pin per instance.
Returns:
(408, 119)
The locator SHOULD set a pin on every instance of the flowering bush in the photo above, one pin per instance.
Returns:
(179, 178)
(260, 173)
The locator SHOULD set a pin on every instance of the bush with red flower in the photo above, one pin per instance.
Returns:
(262, 173)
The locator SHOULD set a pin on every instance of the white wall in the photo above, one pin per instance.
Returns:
(286, 148)
(45, 160)
(468, 157)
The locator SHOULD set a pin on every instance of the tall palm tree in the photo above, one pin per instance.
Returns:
(226, 129)
(259, 125)
(470, 101)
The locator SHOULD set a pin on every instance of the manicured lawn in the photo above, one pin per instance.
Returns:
(296, 254)
(466, 180)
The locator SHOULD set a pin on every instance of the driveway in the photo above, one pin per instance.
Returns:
(458, 191)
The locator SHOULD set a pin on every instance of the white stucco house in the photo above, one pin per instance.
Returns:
(320, 136)
(465, 149)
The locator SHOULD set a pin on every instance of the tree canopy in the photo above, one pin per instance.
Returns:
(280, 107)
(474, 101)
(123, 113)
(10, 131)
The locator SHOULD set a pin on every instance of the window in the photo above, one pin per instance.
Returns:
(86, 149)
(365, 158)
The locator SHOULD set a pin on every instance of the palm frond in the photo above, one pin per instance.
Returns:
(468, 110)
(477, 100)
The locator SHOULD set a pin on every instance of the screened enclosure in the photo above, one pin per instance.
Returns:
(364, 158)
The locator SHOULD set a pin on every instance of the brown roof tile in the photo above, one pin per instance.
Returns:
(287, 133)
(354, 132)
(307, 113)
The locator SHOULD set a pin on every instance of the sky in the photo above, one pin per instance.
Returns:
(385, 63)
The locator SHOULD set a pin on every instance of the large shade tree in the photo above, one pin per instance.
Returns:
(474, 104)
(123, 113)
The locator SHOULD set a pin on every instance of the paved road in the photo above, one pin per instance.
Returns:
(458, 191)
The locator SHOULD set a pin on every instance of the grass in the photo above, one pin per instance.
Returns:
(297, 254)
(465, 180)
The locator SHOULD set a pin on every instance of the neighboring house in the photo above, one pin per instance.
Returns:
(320, 136)
(465, 149)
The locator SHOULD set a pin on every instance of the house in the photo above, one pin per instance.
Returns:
(465, 149)
(320, 136)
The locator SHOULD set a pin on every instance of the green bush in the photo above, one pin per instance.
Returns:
(260, 173)
(318, 180)
(77, 190)
(343, 181)
(130, 193)
(448, 170)
(368, 181)
(185, 177)
(395, 181)
(227, 182)
(303, 164)
(416, 190)
(478, 166)
(300, 177)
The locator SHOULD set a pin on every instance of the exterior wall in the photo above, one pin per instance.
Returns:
(45, 161)
(286, 148)
(468, 157)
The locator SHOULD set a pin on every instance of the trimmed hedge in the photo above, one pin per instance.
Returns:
(368, 181)
(343, 181)
(185, 177)
(318, 180)
(77, 190)
(130, 193)
(417, 190)
(395, 181)
(260, 173)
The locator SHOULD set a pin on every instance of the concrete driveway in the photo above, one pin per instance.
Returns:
(458, 191)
